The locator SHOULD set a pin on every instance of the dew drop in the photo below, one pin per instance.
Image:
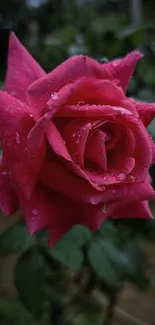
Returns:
(81, 102)
(55, 96)
(104, 208)
(4, 173)
(116, 63)
(35, 212)
(17, 138)
(74, 135)
(120, 177)
(9, 143)
(132, 178)
(13, 93)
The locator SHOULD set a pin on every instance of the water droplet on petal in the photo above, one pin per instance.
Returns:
(4, 173)
(132, 178)
(13, 93)
(116, 63)
(9, 143)
(17, 137)
(120, 177)
(74, 135)
(55, 96)
(35, 212)
(81, 102)
(104, 208)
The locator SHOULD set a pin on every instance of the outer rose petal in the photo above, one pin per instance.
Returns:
(72, 69)
(146, 111)
(139, 209)
(22, 69)
(39, 209)
(16, 121)
(36, 137)
(96, 91)
(8, 199)
(57, 177)
(70, 213)
(123, 69)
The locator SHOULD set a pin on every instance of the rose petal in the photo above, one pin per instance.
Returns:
(22, 69)
(146, 111)
(142, 153)
(36, 137)
(95, 91)
(8, 199)
(95, 151)
(139, 209)
(56, 176)
(72, 69)
(75, 134)
(123, 69)
(39, 209)
(120, 159)
(92, 111)
(16, 121)
(70, 213)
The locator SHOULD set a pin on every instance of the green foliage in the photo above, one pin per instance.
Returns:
(30, 273)
(15, 239)
(12, 312)
(68, 249)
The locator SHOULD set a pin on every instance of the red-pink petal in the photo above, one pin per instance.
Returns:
(70, 213)
(123, 69)
(16, 121)
(22, 69)
(146, 111)
(93, 111)
(39, 210)
(139, 209)
(72, 69)
(75, 134)
(36, 137)
(8, 199)
(96, 91)
(95, 151)
(56, 142)
(56, 176)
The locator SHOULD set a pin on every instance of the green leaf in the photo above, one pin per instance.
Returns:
(15, 238)
(68, 254)
(30, 275)
(108, 230)
(78, 235)
(138, 269)
(107, 261)
(68, 249)
(13, 312)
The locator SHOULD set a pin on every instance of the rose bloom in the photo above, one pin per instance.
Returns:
(75, 149)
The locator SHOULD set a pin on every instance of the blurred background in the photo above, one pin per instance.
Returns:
(54, 30)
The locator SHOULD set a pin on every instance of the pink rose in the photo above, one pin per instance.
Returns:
(75, 149)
